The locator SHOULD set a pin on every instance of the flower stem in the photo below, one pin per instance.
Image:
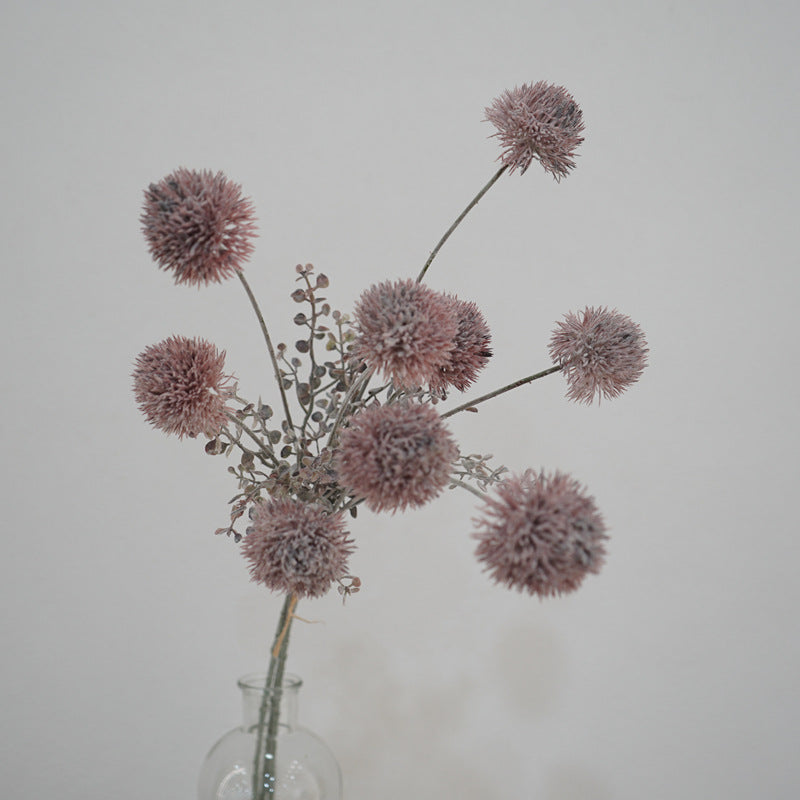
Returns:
(475, 200)
(358, 383)
(268, 340)
(477, 492)
(263, 447)
(283, 633)
(264, 763)
(483, 398)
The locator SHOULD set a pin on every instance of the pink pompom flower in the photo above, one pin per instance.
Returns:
(181, 387)
(541, 534)
(470, 353)
(539, 122)
(396, 456)
(296, 548)
(601, 352)
(405, 329)
(198, 225)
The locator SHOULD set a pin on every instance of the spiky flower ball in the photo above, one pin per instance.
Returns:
(396, 456)
(470, 353)
(405, 329)
(181, 387)
(296, 548)
(198, 225)
(601, 352)
(539, 122)
(541, 534)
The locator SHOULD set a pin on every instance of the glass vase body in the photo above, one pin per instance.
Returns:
(304, 766)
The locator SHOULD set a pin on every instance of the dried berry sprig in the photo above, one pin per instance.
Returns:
(348, 585)
(229, 438)
(296, 459)
(475, 467)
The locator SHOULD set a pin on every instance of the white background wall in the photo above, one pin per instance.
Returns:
(356, 128)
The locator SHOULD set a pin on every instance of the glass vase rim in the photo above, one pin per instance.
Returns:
(254, 681)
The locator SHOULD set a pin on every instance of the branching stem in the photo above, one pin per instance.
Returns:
(268, 340)
(359, 383)
(242, 427)
(265, 757)
(463, 485)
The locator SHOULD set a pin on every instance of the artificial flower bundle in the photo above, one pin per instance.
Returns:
(360, 400)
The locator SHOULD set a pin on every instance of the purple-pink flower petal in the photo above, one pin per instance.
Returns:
(541, 534)
(539, 122)
(471, 351)
(295, 547)
(405, 329)
(198, 225)
(601, 353)
(181, 387)
(396, 456)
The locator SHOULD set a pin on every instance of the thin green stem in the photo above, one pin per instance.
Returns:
(496, 392)
(263, 447)
(475, 200)
(268, 340)
(463, 485)
(264, 769)
(352, 503)
(359, 383)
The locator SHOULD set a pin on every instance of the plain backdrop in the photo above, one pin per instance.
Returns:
(357, 128)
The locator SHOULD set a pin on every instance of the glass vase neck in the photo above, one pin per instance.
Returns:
(254, 695)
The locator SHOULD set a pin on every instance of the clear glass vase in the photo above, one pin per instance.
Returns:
(300, 766)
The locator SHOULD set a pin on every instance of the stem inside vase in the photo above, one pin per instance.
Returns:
(265, 756)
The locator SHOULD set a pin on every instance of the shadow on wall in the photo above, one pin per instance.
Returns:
(571, 782)
(448, 737)
(532, 664)
(406, 738)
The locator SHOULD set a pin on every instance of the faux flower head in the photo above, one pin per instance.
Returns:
(541, 534)
(540, 122)
(181, 387)
(198, 225)
(405, 329)
(601, 352)
(296, 548)
(396, 456)
(470, 353)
